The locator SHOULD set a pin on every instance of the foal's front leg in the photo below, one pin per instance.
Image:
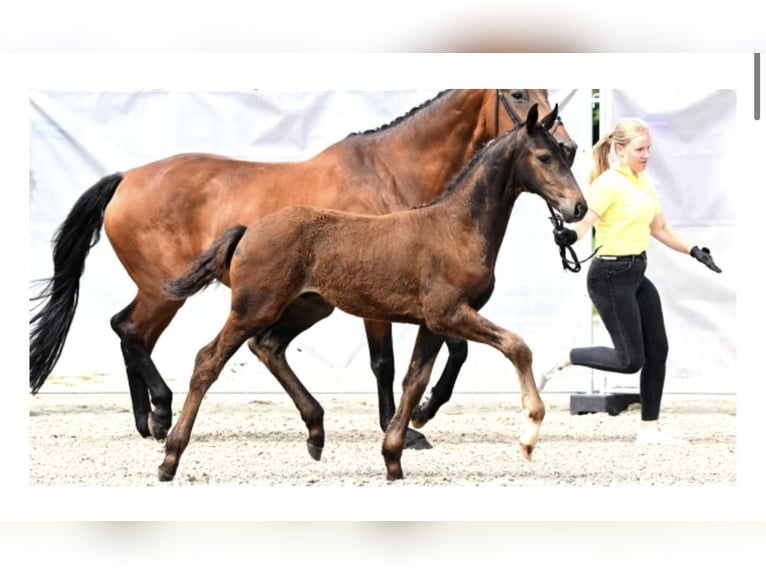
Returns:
(427, 346)
(466, 323)
(381, 347)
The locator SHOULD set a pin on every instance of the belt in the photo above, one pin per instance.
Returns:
(641, 255)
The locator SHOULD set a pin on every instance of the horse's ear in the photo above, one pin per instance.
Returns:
(532, 118)
(548, 120)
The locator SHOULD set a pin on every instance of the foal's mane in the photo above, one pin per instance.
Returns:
(457, 179)
(402, 118)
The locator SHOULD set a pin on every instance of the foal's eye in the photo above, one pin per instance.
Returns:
(545, 158)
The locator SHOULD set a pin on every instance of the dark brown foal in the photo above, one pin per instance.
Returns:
(432, 266)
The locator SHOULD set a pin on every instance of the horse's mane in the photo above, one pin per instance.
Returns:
(456, 180)
(402, 118)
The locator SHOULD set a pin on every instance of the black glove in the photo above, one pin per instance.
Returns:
(703, 256)
(564, 237)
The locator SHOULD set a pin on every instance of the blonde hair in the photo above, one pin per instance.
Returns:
(626, 130)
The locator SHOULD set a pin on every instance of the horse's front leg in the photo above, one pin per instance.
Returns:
(466, 323)
(380, 345)
(427, 346)
(442, 390)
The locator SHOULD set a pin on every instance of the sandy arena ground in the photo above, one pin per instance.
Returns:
(88, 439)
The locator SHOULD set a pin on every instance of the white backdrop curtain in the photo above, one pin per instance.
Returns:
(79, 136)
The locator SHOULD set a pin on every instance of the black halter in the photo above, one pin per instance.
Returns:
(502, 99)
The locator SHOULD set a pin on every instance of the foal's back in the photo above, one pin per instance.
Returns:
(377, 267)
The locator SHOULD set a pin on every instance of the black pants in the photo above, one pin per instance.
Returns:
(630, 308)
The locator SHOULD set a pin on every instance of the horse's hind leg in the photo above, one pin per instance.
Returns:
(442, 390)
(270, 346)
(380, 345)
(424, 354)
(138, 331)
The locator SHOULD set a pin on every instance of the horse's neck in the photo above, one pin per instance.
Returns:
(426, 150)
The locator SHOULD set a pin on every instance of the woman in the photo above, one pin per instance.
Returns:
(624, 209)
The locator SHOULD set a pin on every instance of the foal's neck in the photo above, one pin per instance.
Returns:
(481, 199)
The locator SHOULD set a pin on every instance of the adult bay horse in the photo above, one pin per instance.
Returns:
(355, 262)
(159, 217)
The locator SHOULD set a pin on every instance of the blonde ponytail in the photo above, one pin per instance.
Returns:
(626, 130)
(600, 155)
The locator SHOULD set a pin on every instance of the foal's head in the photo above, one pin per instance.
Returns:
(543, 169)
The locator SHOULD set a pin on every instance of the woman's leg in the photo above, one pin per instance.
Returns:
(613, 287)
(655, 350)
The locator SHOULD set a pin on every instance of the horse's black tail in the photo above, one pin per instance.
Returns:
(208, 267)
(72, 242)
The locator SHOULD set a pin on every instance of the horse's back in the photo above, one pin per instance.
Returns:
(175, 207)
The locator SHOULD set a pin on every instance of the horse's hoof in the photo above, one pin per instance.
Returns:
(314, 451)
(158, 430)
(142, 427)
(416, 441)
(164, 476)
(526, 450)
(419, 417)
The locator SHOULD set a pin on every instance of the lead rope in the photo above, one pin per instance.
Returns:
(573, 264)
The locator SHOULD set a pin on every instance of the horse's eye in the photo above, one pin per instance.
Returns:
(545, 158)
(517, 95)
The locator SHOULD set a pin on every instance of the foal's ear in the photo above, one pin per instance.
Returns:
(548, 120)
(532, 118)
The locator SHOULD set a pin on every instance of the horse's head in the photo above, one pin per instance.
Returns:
(544, 169)
(514, 104)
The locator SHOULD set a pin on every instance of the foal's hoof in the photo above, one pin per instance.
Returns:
(416, 441)
(164, 476)
(314, 451)
(526, 450)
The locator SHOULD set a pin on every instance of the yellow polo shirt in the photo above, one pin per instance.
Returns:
(626, 206)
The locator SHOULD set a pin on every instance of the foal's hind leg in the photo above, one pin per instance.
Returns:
(208, 365)
(139, 326)
(270, 346)
(442, 390)
(380, 344)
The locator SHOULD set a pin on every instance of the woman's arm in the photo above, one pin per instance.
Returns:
(583, 226)
(665, 234)
(566, 236)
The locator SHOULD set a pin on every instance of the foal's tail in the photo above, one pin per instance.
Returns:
(208, 267)
(72, 242)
